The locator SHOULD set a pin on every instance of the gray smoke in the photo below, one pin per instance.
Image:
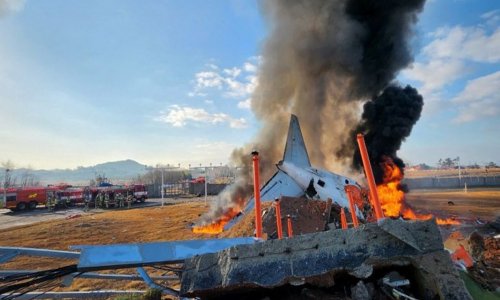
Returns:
(321, 60)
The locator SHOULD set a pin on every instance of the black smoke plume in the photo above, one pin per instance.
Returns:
(386, 122)
(387, 27)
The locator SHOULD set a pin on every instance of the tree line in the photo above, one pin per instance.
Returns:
(26, 178)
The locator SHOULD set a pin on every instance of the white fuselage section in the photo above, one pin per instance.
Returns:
(323, 184)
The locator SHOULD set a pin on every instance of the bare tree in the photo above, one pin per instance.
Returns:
(8, 179)
(28, 179)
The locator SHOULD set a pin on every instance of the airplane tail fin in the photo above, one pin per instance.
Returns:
(295, 149)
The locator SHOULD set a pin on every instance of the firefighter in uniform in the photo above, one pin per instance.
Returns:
(98, 200)
(50, 201)
(106, 200)
(87, 200)
(119, 198)
(129, 200)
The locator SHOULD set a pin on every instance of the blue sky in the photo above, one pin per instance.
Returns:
(84, 82)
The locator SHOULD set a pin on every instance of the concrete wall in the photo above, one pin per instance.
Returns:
(212, 188)
(452, 182)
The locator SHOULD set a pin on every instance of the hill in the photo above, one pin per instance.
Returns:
(116, 172)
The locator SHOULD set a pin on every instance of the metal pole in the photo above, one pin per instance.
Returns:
(278, 218)
(162, 189)
(256, 191)
(459, 171)
(369, 176)
(343, 220)
(289, 223)
(350, 196)
(206, 184)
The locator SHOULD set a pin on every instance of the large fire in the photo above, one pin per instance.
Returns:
(392, 197)
(217, 226)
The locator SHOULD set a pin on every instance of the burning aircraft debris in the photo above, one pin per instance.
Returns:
(297, 178)
(321, 61)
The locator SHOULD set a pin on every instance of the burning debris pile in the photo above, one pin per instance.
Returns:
(387, 120)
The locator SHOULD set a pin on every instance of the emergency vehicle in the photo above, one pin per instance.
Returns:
(25, 197)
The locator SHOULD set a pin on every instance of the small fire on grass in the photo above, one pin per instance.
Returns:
(217, 226)
(392, 197)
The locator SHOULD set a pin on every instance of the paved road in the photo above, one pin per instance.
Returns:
(12, 219)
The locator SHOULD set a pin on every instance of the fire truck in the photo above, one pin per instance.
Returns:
(138, 191)
(25, 197)
(69, 196)
(18, 199)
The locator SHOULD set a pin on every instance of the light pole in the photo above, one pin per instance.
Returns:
(205, 168)
(162, 168)
(206, 185)
(162, 192)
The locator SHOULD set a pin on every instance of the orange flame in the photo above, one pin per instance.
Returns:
(392, 197)
(216, 226)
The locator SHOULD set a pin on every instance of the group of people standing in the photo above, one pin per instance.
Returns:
(103, 199)
(54, 199)
(106, 200)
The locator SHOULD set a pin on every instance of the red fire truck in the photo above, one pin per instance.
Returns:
(25, 197)
(139, 191)
(69, 196)
(30, 197)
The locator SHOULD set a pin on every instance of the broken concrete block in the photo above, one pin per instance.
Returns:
(325, 259)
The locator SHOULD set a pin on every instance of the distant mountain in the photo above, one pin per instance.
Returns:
(116, 172)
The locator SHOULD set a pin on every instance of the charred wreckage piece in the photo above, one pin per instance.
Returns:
(331, 260)
(296, 177)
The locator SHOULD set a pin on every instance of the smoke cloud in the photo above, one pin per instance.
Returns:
(320, 61)
(386, 122)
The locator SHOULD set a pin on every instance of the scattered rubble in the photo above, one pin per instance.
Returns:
(483, 247)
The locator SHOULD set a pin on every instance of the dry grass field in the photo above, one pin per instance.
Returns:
(482, 203)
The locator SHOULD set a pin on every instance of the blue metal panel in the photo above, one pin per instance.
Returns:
(136, 255)
(7, 256)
